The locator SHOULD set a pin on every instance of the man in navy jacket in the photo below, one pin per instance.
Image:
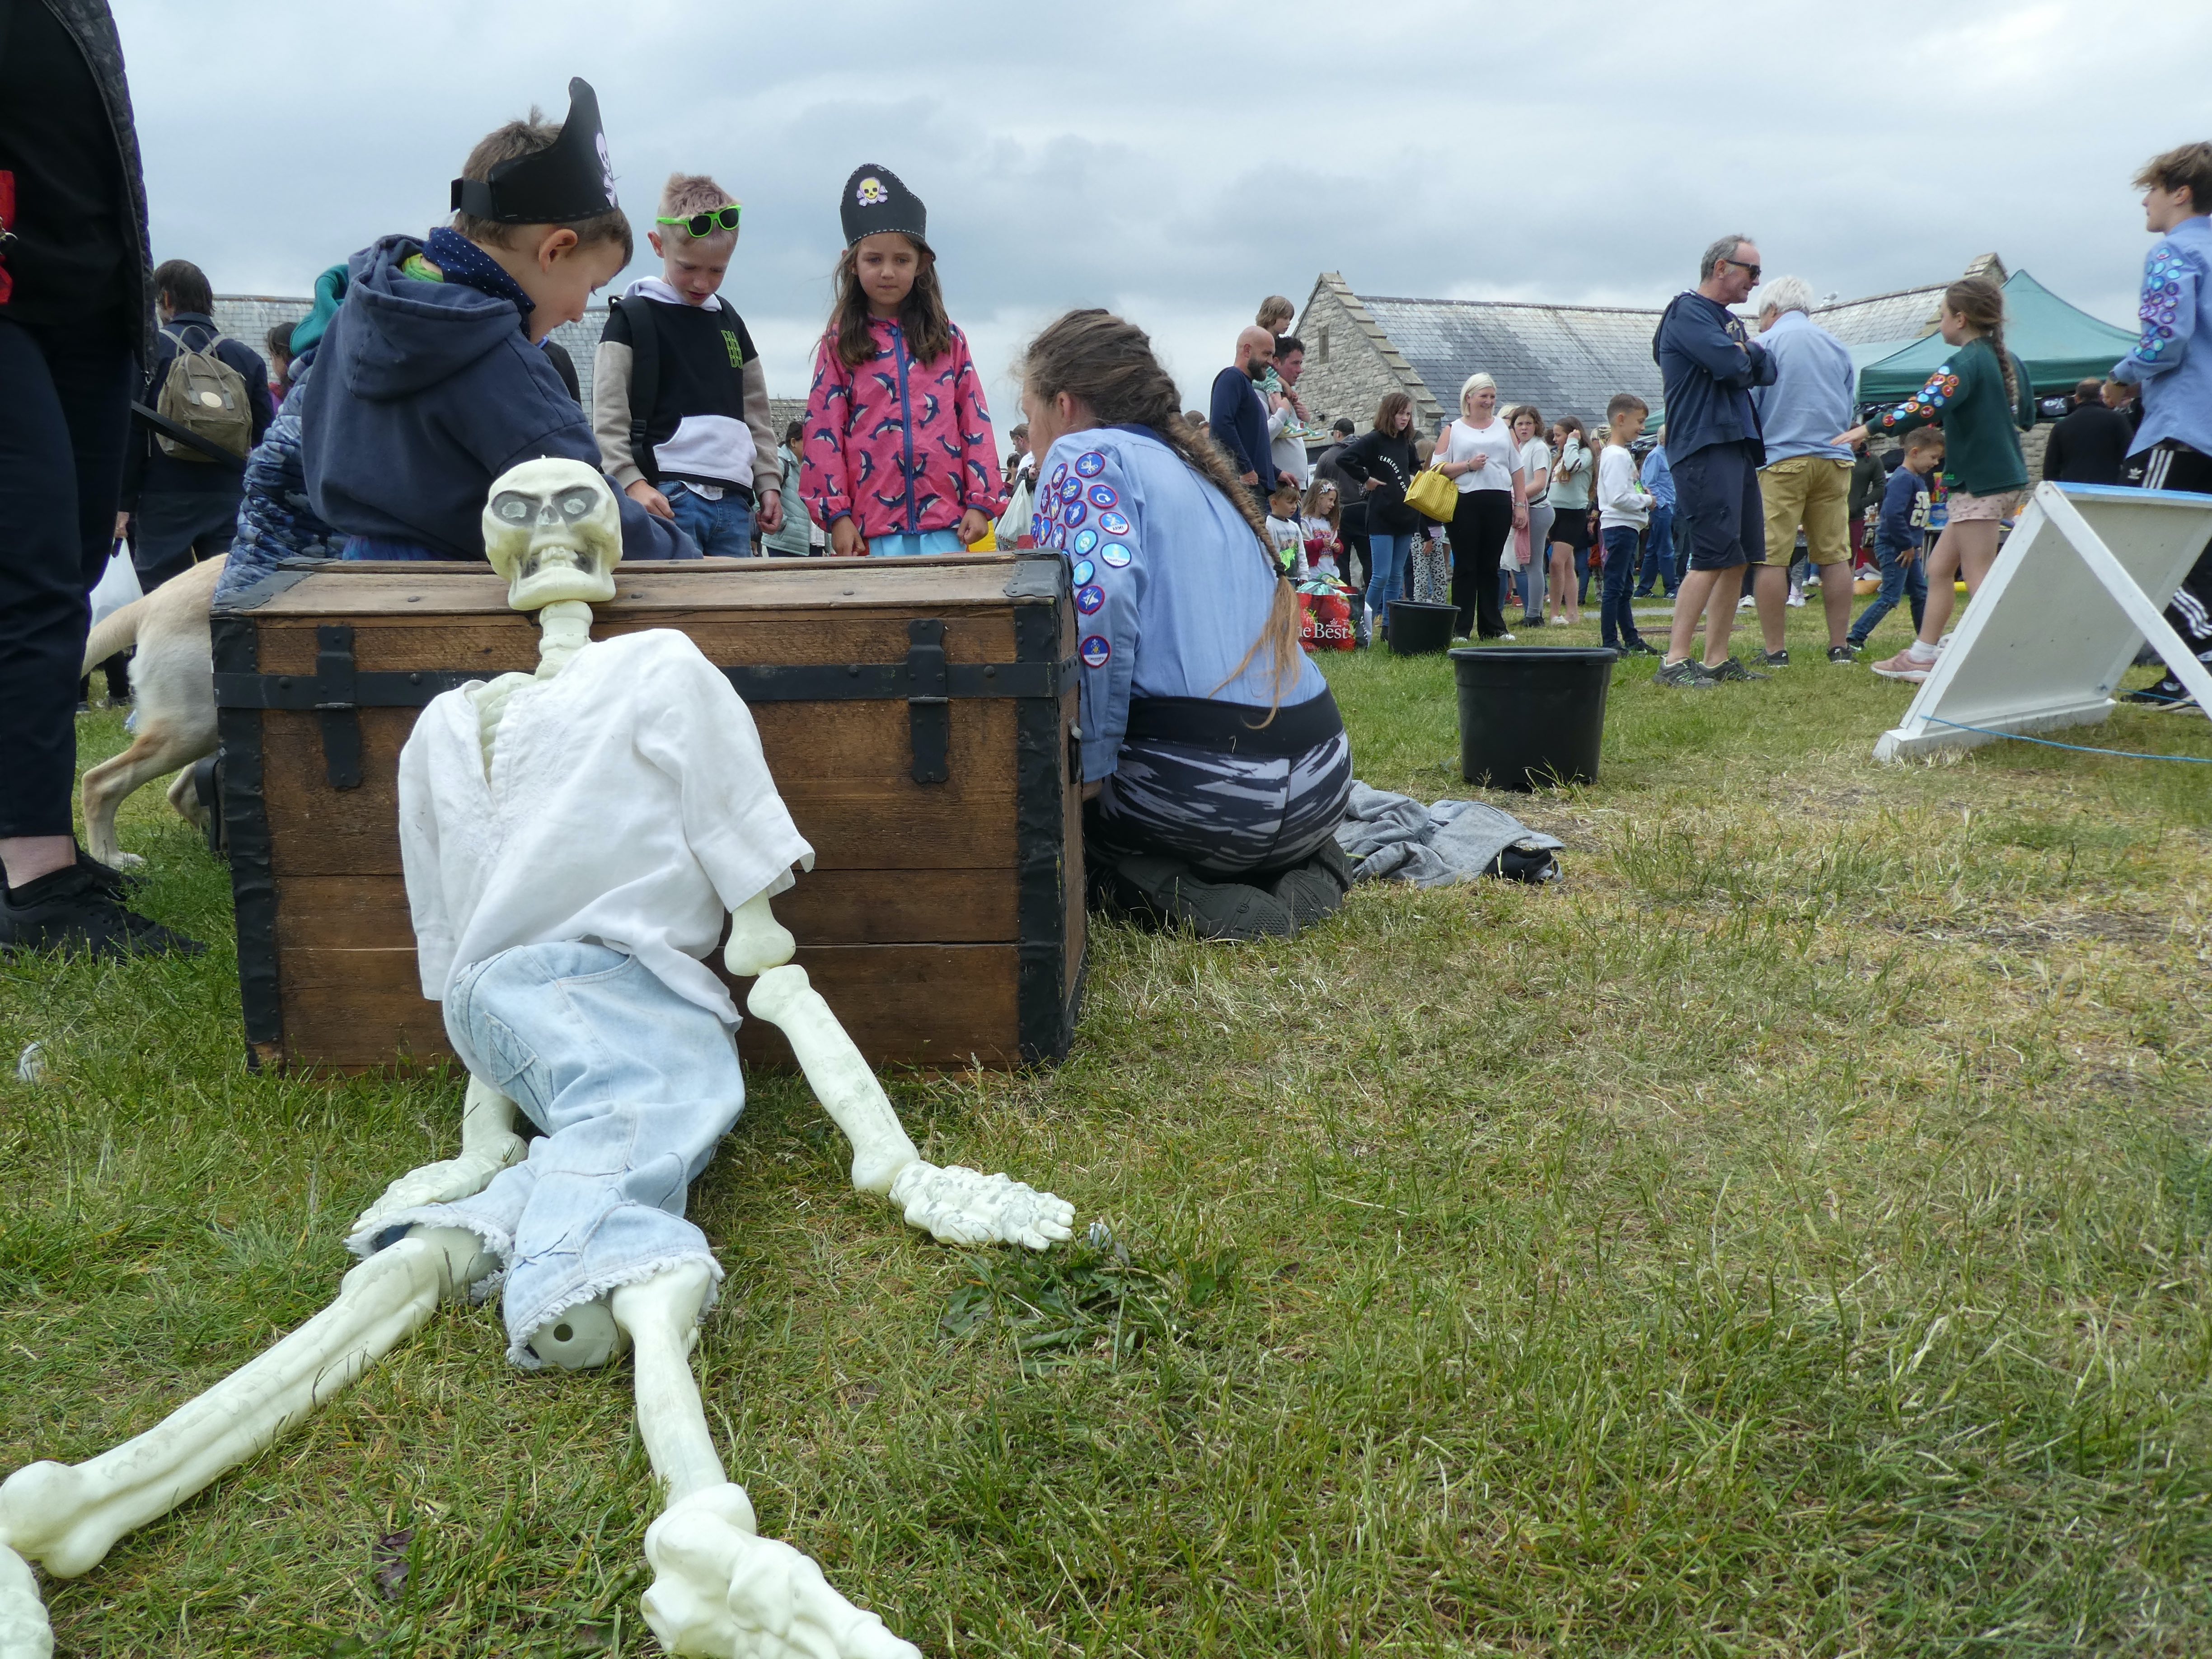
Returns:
(1239, 420)
(1709, 363)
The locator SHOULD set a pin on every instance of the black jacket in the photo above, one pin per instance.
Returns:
(2088, 445)
(92, 27)
(147, 470)
(1869, 479)
(1351, 498)
(1390, 462)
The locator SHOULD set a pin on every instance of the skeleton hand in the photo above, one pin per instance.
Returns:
(489, 1144)
(959, 1205)
(719, 1589)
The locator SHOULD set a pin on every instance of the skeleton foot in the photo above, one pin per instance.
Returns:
(720, 1589)
(24, 1631)
(489, 1144)
(959, 1205)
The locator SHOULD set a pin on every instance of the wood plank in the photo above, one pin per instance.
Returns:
(508, 642)
(358, 912)
(904, 1004)
(844, 769)
(342, 590)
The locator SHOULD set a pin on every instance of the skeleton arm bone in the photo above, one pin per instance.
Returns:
(68, 1517)
(489, 1144)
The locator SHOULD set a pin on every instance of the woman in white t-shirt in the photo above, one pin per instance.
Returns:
(1535, 478)
(1477, 454)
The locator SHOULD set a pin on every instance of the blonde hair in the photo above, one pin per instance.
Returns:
(1475, 382)
(511, 142)
(1280, 309)
(687, 193)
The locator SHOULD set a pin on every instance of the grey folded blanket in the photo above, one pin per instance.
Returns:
(1394, 838)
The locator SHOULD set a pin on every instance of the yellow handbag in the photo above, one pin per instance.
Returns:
(1433, 495)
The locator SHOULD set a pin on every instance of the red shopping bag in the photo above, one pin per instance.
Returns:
(1325, 622)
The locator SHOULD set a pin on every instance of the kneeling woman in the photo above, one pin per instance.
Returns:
(1209, 739)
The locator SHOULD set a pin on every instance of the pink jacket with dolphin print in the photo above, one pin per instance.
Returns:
(902, 447)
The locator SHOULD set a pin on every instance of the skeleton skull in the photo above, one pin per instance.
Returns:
(554, 530)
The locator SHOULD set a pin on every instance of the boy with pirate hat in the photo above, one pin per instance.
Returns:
(431, 381)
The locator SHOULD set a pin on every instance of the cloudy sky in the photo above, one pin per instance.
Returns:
(1176, 162)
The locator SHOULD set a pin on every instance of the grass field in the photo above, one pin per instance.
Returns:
(1793, 1234)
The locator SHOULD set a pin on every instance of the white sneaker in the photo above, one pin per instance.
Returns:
(1747, 603)
(1560, 622)
(1796, 599)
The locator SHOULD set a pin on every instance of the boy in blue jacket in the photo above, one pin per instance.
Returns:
(1900, 533)
(431, 381)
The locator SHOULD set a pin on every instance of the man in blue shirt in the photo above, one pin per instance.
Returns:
(1237, 417)
(1709, 364)
(1659, 561)
(2173, 447)
(1807, 480)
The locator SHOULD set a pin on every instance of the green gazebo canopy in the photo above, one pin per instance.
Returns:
(2060, 344)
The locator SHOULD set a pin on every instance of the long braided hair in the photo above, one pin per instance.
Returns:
(1108, 365)
(1980, 303)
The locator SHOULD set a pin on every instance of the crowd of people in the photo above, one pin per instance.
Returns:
(425, 369)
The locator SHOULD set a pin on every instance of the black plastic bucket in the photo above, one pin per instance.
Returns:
(1530, 715)
(1421, 630)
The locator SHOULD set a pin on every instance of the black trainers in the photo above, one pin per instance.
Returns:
(81, 909)
(1843, 656)
(1637, 647)
(1727, 668)
(1689, 674)
(1772, 659)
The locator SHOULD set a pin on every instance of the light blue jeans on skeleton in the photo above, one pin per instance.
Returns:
(634, 1086)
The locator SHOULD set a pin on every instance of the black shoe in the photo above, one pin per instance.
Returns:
(1689, 674)
(2166, 693)
(1773, 659)
(1637, 647)
(1727, 668)
(81, 909)
(1844, 656)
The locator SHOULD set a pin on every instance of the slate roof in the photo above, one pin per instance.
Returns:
(1904, 315)
(249, 317)
(1566, 359)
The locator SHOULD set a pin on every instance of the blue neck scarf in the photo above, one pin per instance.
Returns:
(465, 263)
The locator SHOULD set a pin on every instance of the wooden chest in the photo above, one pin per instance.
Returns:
(917, 715)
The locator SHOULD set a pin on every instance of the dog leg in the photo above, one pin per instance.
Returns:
(185, 800)
(105, 786)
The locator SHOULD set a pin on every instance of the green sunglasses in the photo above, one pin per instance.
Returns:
(706, 224)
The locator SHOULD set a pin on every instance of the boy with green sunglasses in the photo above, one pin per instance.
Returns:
(679, 402)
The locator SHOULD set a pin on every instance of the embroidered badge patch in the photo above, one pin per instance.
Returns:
(1088, 599)
(1059, 476)
(1072, 514)
(1085, 542)
(1096, 651)
(1114, 553)
(1090, 464)
(1113, 524)
(1085, 570)
(1072, 491)
(1103, 496)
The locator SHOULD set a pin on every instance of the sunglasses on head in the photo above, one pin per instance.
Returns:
(706, 224)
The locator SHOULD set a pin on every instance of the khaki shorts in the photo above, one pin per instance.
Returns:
(1987, 509)
(1815, 491)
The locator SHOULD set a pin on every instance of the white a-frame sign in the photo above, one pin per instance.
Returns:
(2079, 586)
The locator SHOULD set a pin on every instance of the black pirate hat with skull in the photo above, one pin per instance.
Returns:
(875, 200)
(570, 180)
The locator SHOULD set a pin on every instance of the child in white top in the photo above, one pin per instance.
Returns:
(1624, 506)
(1286, 534)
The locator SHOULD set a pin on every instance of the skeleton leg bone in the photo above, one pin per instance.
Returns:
(67, 1517)
(719, 1589)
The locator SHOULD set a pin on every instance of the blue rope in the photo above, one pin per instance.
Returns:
(2079, 749)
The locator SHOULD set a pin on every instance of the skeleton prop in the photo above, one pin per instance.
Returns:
(522, 830)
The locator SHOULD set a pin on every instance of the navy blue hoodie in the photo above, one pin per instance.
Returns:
(423, 392)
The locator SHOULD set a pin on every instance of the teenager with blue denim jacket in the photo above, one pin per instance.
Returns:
(2173, 447)
(1208, 736)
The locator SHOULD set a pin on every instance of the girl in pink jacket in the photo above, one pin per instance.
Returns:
(899, 457)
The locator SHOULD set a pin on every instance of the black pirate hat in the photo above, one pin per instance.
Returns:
(875, 200)
(570, 180)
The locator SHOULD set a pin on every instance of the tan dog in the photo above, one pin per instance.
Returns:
(173, 685)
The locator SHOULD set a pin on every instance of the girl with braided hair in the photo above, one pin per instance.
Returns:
(1211, 743)
(1979, 396)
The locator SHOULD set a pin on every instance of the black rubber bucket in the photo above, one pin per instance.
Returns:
(1421, 630)
(1531, 715)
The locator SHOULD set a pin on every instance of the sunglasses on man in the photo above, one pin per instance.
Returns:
(1751, 271)
(705, 224)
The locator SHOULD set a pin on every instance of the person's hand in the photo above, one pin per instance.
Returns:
(650, 499)
(974, 525)
(1248, 477)
(122, 524)
(771, 513)
(1858, 435)
(1519, 515)
(1372, 484)
(845, 541)
(1476, 463)
(1285, 478)
(1090, 790)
